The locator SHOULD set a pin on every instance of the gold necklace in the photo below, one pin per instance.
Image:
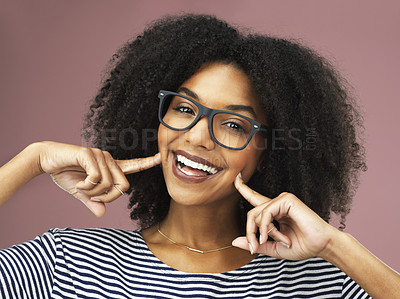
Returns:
(190, 248)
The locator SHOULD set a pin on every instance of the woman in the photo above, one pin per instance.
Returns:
(234, 115)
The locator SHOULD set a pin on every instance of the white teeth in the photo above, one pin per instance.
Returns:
(185, 172)
(196, 165)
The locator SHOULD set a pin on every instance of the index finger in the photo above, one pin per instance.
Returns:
(139, 164)
(249, 194)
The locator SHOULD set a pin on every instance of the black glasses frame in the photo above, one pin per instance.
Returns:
(255, 126)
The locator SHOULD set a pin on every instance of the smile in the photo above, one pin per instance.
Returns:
(183, 161)
(193, 169)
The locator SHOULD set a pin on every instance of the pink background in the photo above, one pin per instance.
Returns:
(52, 55)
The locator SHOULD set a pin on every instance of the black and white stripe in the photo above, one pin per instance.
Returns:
(111, 263)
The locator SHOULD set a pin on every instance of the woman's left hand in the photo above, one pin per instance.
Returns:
(303, 234)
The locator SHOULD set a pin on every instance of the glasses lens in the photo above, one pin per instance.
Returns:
(231, 130)
(178, 112)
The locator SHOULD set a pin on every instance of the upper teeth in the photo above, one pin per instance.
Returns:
(196, 165)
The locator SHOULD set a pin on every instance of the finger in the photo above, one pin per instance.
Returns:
(241, 242)
(274, 233)
(274, 249)
(120, 183)
(104, 160)
(87, 161)
(249, 194)
(110, 196)
(118, 180)
(270, 248)
(97, 208)
(281, 238)
(251, 230)
(266, 227)
(265, 231)
(139, 164)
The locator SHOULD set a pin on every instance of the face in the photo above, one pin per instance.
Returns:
(215, 86)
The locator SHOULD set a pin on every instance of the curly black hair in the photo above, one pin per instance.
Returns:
(315, 150)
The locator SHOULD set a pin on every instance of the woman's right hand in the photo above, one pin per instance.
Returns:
(90, 174)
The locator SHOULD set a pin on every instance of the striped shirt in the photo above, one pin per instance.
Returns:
(112, 263)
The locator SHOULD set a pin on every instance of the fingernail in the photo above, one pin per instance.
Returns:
(261, 239)
(238, 178)
(284, 244)
(234, 242)
(251, 249)
(94, 199)
(240, 175)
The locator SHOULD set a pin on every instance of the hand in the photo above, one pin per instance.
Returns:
(303, 234)
(90, 174)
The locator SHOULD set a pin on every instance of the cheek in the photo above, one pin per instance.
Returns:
(163, 141)
(161, 136)
(246, 162)
(164, 137)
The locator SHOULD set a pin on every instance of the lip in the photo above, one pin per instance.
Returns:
(192, 179)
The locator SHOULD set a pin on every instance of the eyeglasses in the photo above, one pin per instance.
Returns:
(228, 129)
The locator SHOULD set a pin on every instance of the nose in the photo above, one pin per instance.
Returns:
(199, 135)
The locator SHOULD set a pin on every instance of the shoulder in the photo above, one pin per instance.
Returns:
(105, 235)
(308, 267)
(93, 239)
(96, 230)
(304, 272)
(314, 274)
(96, 244)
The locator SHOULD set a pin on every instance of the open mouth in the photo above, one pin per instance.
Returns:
(192, 168)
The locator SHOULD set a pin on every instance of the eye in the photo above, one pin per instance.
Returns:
(184, 109)
(235, 127)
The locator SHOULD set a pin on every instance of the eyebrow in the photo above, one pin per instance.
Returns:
(246, 108)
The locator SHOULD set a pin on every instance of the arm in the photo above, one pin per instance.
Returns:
(20, 170)
(305, 235)
(89, 174)
(376, 278)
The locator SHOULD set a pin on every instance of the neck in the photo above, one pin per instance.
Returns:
(202, 227)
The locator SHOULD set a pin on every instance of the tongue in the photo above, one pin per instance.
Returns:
(194, 171)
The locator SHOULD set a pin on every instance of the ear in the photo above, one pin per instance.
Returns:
(260, 167)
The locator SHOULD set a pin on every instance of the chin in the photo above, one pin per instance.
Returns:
(191, 196)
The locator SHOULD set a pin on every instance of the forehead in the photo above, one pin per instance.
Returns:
(218, 85)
